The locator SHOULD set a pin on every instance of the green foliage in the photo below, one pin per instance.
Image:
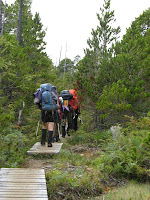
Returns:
(13, 149)
(126, 156)
(119, 98)
(73, 181)
(113, 86)
(90, 83)
(22, 68)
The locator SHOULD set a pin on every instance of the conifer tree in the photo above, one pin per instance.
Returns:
(128, 90)
(97, 57)
(104, 34)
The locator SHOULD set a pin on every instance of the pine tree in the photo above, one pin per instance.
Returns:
(104, 34)
(97, 58)
(128, 90)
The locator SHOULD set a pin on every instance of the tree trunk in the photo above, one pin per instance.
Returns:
(1, 23)
(20, 23)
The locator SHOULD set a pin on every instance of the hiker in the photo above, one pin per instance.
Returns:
(76, 109)
(56, 130)
(69, 106)
(47, 122)
(47, 102)
(75, 117)
(67, 118)
(57, 124)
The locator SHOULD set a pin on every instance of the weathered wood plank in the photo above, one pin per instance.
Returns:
(29, 184)
(17, 170)
(22, 187)
(23, 195)
(39, 149)
(21, 176)
(8, 184)
(9, 198)
(23, 192)
(31, 195)
(28, 180)
(21, 171)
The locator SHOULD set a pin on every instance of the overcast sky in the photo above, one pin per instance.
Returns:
(69, 22)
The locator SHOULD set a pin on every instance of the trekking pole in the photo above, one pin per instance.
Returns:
(80, 120)
(58, 125)
(58, 130)
(38, 126)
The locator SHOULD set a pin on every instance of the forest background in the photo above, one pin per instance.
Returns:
(112, 83)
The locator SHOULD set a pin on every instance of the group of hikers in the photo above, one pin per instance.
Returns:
(59, 113)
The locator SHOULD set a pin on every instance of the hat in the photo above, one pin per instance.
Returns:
(61, 99)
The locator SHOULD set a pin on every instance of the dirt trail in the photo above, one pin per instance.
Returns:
(48, 163)
(40, 163)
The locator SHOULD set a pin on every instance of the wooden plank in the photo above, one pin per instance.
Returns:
(21, 176)
(39, 149)
(23, 196)
(28, 180)
(22, 183)
(21, 171)
(22, 187)
(2, 184)
(23, 192)
(9, 198)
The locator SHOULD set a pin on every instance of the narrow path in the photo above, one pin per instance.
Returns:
(39, 149)
(22, 183)
(27, 183)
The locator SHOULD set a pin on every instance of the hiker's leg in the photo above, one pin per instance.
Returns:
(55, 130)
(69, 118)
(75, 123)
(56, 133)
(43, 138)
(63, 127)
(44, 129)
(44, 125)
(50, 133)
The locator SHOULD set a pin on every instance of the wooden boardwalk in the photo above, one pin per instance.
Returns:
(39, 149)
(22, 184)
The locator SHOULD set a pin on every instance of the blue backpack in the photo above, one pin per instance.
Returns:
(49, 99)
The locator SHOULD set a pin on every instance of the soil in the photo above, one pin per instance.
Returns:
(47, 163)
(38, 164)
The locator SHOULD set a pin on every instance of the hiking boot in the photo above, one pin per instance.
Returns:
(63, 136)
(57, 138)
(43, 138)
(50, 135)
(42, 143)
(49, 145)
(63, 131)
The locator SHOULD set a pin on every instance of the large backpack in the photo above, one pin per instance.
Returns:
(49, 99)
(67, 96)
(75, 99)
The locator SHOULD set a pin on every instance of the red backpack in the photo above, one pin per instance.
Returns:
(74, 103)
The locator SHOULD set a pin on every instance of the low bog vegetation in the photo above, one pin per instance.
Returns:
(118, 159)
